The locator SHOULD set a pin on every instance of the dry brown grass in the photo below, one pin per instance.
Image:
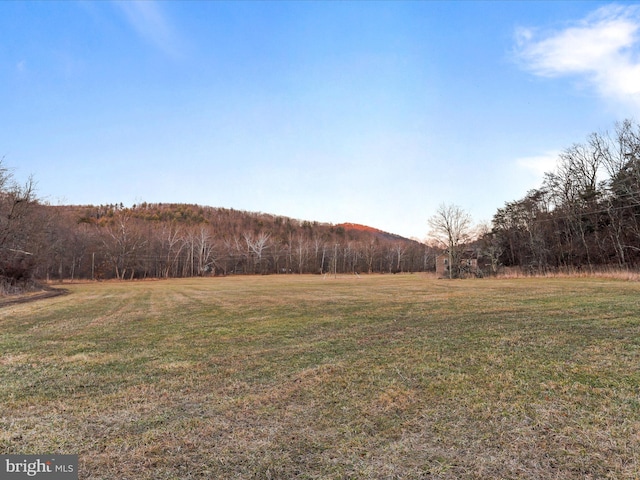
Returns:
(613, 273)
(377, 377)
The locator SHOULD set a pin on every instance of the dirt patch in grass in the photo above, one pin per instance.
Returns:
(48, 292)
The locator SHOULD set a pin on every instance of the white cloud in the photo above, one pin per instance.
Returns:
(540, 164)
(604, 48)
(528, 172)
(149, 21)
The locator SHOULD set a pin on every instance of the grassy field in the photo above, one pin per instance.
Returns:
(280, 377)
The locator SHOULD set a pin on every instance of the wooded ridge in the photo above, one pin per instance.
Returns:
(179, 240)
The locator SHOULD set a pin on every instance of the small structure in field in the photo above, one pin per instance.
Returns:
(465, 264)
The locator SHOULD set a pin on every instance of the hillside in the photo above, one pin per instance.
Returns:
(196, 214)
(180, 240)
(376, 232)
(226, 219)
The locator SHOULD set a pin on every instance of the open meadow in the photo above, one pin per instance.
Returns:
(279, 377)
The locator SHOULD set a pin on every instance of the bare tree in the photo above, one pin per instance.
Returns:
(319, 245)
(171, 246)
(451, 227)
(491, 246)
(17, 260)
(300, 251)
(398, 249)
(621, 158)
(574, 187)
(205, 250)
(370, 251)
(256, 246)
(122, 242)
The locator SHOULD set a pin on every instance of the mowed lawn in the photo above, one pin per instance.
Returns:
(377, 377)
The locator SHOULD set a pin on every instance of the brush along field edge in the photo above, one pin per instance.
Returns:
(400, 376)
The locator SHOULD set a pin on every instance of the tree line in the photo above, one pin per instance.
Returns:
(42, 241)
(586, 213)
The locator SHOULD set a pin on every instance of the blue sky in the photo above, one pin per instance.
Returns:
(366, 112)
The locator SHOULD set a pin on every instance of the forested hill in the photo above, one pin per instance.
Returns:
(225, 220)
(374, 231)
(177, 240)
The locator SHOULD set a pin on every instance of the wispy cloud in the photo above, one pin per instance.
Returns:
(148, 19)
(529, 172)
(539, 164)
(603, 48)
